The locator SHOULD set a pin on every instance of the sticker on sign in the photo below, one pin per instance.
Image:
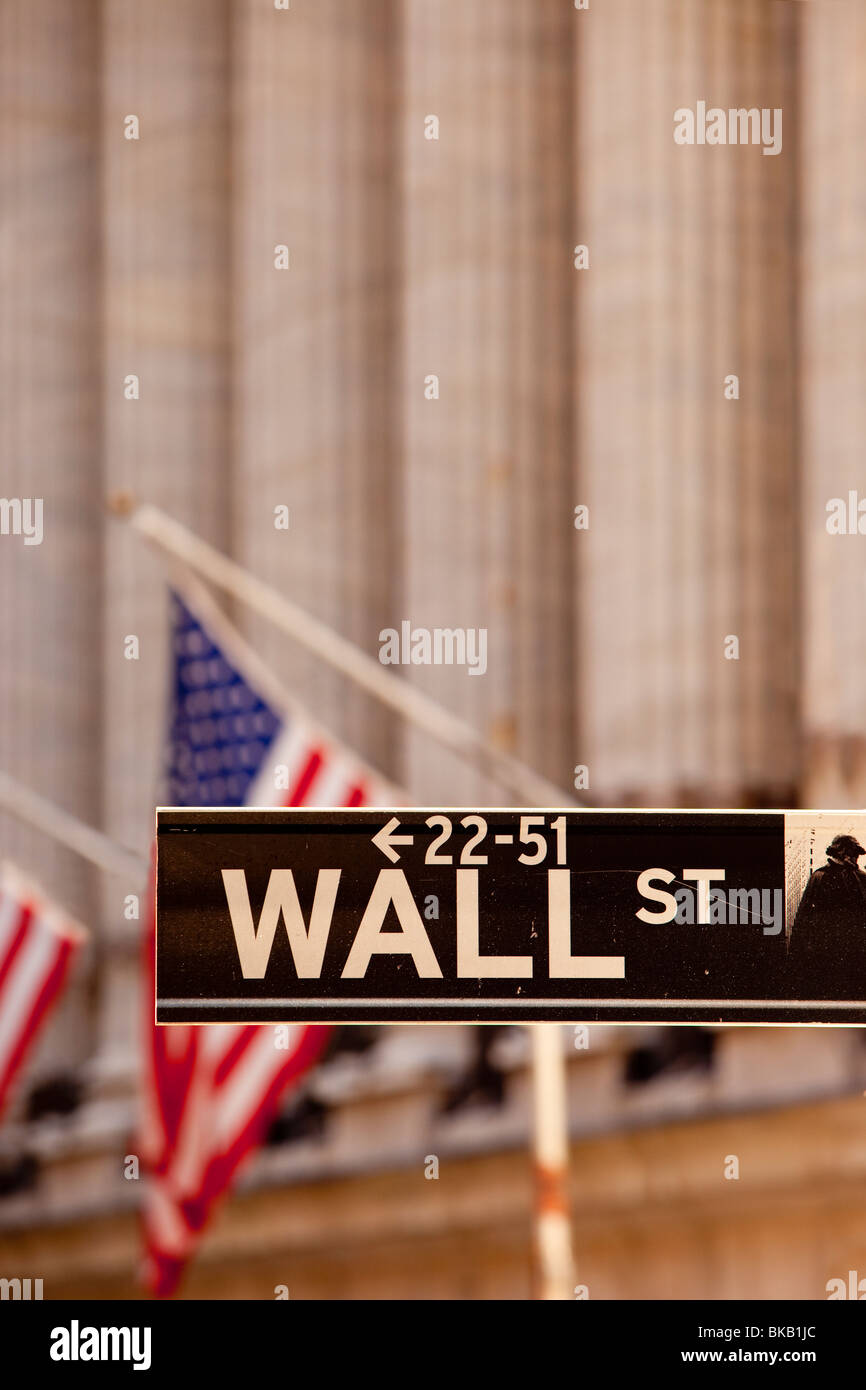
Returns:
(483, 916)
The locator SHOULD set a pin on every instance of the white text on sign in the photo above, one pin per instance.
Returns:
(308, 940)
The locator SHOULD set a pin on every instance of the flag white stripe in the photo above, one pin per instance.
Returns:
(241, 1095)
(168, 1231)
(292, 750)
(10, 917)
(219, 1043)
(30, 968)
(332, 786)
(192, 1148)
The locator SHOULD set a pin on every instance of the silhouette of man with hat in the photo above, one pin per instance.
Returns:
(827, 950)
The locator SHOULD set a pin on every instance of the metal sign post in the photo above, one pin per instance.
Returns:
(554, 1263)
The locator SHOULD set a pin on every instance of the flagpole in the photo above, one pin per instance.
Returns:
(82, 839)
(419, 709)
(554, 1262)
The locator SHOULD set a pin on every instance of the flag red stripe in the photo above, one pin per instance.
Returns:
(233, 1056)
(303, 783)
(51, 986)
(163, 1272)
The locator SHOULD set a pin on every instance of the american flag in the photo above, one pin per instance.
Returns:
(213, 1090)
(37, 944)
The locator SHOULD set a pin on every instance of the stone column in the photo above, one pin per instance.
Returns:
(834, 403)
(692, 496)
(316, 385)
(166, 291)
(50, 614)
(489, 538)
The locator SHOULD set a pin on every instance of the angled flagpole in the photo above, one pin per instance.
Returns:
(82, 839)
(419, 709)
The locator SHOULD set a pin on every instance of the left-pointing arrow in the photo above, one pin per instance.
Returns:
(385, 839)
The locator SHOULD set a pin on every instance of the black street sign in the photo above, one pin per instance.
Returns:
(509, 915)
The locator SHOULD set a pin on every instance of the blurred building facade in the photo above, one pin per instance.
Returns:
(448, 505)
